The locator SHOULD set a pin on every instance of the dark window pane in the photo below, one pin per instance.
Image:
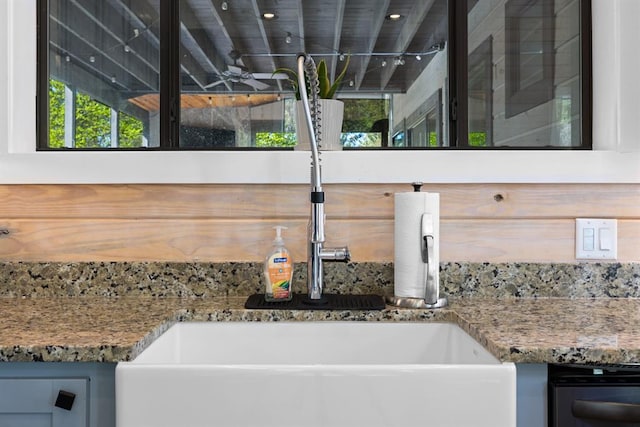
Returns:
(103, 74)
(518, 79)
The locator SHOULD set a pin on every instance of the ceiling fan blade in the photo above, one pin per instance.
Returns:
(255, 84)
(234, 69)
(270, 76)
(216, 83)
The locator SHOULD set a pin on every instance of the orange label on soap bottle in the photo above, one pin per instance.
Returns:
(280, 270)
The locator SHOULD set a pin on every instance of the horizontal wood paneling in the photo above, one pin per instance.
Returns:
(291, 201)
(246, 240)
(534, 223)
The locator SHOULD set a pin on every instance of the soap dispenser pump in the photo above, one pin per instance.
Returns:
(278, 270)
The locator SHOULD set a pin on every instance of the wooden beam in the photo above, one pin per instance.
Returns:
(192, 45)
(226, 36)
(143, 35)
(303, 47)
(409, 29)
(80, 38)
(200, 46)
(132, 11)
(79, 77)
(265, 39)
(371, 44)
(337, 32)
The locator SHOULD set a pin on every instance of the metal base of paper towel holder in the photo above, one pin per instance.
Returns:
(407, 302)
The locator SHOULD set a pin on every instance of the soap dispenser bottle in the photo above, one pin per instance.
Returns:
(278, 270)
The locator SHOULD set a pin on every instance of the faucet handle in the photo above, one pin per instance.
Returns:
(336, 254)
(431, 288)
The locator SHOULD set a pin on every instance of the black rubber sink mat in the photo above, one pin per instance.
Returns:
(328, 302)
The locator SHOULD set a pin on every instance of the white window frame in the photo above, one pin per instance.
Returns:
(614, 159)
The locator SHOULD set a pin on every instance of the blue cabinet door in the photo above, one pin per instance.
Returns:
(31, 402)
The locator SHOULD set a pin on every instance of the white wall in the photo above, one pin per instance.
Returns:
(433, 77)
(616, 121)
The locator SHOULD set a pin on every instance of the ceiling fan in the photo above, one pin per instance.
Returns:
(237, 73)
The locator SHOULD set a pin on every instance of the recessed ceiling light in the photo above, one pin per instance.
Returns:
(269, 15)
(394, 16)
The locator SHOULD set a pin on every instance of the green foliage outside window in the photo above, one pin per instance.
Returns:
(275, 139)
(477, 139)
(433, 139)
(360, 117)
(130, 131)
(92, 122)
(56, 114)
(361, 114)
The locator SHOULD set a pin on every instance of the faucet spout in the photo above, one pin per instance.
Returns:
(316, 252)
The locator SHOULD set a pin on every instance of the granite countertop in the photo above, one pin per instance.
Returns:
(526, 330)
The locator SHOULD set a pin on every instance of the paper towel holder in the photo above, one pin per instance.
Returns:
(431, 298)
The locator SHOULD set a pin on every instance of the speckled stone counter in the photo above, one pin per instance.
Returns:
(112, 329)
(109, 312)
(459, 280)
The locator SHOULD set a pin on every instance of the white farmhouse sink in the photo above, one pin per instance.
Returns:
(308, 374)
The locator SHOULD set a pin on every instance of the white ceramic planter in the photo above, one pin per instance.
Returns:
(331, 114)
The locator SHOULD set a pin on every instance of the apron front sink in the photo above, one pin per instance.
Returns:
(312, 374)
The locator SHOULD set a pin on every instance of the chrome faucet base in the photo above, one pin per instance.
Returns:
(322, 301)
(408, 302)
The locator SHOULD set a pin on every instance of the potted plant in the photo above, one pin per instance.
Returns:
(331, 110)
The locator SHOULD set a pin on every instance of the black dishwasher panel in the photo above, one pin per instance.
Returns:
(594, 395)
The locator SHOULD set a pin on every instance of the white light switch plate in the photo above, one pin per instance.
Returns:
(596, 238)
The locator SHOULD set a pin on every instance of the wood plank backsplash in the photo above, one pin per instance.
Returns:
(217, 223)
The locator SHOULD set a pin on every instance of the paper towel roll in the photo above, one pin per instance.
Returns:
(410, 272)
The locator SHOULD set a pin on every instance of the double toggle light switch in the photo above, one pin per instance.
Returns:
(596, 238)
